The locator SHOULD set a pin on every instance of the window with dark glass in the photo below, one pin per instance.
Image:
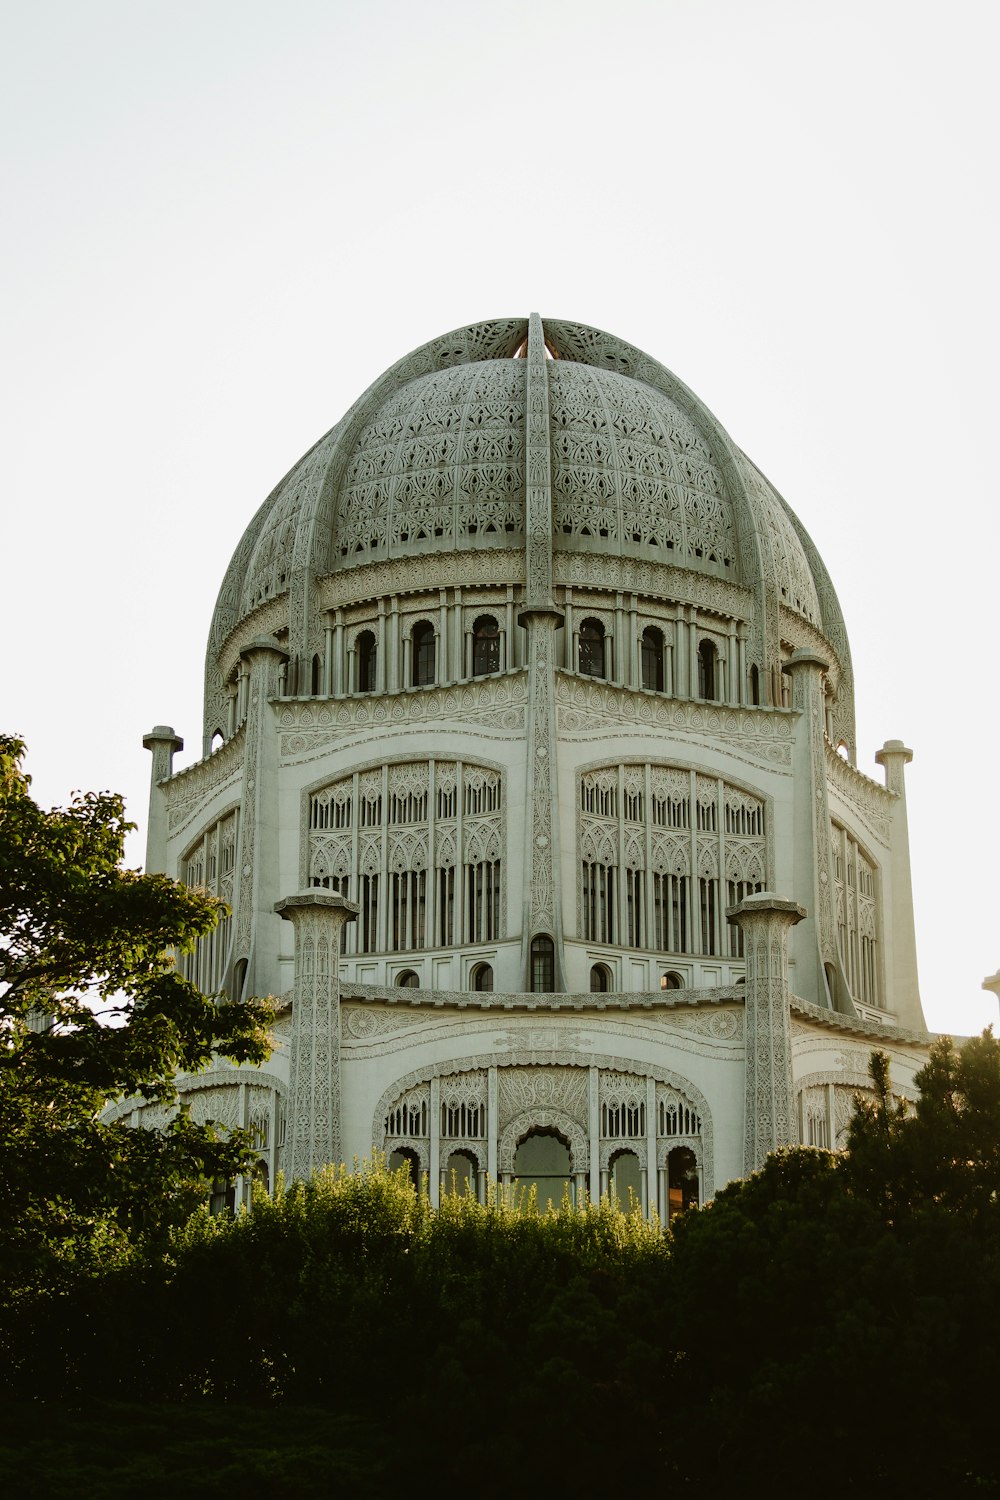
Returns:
(485, 646)
(652, 659)
(482, 978)
(367, 651)
(424, 648)
(600, 979)
(592, 648)
(543, 965)
(706, 670)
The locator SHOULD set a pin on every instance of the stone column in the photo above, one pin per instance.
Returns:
(901, 992)
(164, 744)
(313, 1135)
(769, 1117)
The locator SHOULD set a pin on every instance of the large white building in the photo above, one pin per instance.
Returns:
(529, 776)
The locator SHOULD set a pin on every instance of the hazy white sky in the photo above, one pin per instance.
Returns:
(223, 220)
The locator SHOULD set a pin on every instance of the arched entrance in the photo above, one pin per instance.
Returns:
(626, 1180)
(409, 1160)
(542, 1160)
(460, 1175)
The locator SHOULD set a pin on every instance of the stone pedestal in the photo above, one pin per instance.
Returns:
(769, 1114)
(313, 1134)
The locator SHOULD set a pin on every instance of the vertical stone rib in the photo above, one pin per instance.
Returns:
(542, 911)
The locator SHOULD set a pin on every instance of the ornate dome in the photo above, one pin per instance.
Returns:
(433, 460)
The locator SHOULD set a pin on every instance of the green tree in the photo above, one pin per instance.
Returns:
(93, 1009)
(946, 1151)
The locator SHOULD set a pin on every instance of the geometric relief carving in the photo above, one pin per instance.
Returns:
(419, 477)
(565, 1089)
(629, 469)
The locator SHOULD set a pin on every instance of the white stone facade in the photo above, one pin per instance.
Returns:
(519, 682)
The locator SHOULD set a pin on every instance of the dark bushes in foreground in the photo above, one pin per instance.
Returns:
(788, 1330)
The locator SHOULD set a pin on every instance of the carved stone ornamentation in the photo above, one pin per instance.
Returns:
(314, 1110)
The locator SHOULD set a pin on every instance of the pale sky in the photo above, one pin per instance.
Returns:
(223, 220)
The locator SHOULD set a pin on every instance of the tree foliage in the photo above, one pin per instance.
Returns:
(92, 1010)
(944, 1152)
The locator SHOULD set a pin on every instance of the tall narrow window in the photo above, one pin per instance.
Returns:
(543, 965)
(652, 659)
(446, 907)
(592, 649)
(424, 647)
(316, 683)
(482, 886)
(708, 903)
(707, 663)
(755, 687)
(485, 646)
(598, 902)
(367, 654)
(408, 909)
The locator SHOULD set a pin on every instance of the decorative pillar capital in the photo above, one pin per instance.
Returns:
(316, 902)
(765, 906)
(164, 743)
(806, 669)
(893, 756)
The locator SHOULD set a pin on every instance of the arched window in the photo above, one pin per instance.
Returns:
(652, 659)
(408, 979)
(755, 686)
(592, 648)
(626, 1179)
(316, 679)
(707, 660)
(671, 980)
(460, 1175)
(542, 1161)
(485, 646)
(366, 648)
(409, 1161)
(424, 647)
(600, 979)
(482, 978)
(543, 965)
(218, 740)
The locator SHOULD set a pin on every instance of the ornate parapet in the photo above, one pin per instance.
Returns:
(314, 1113)
(769, 1116)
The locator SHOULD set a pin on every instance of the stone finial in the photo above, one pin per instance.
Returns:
(164, 743)
(894, 756)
